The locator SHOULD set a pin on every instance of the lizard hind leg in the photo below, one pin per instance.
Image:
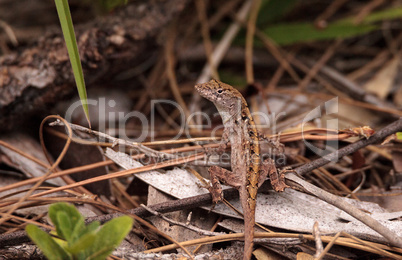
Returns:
(268, 168)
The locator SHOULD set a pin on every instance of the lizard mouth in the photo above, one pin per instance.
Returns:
(201, 90)
(198, 87)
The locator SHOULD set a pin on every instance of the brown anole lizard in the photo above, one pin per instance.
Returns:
(248, 169)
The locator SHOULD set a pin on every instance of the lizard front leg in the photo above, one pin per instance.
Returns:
(217, 175)
(220, 149)
(223, 144)
(268, 168)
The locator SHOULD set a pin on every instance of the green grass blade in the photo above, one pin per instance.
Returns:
(284, 34)
(290, 33)
(66, 22)
(387, 14)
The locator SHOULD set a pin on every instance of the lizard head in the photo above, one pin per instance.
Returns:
(226, 98)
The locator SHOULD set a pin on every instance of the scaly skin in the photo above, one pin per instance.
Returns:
(241, 131)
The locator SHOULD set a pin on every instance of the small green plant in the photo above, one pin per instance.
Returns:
(75, 240)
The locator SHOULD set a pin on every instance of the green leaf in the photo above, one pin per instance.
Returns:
(81, 230)
(84, 238)
(64, 225)
(284, 34)
(387, 14)
(46, 243)
(64, 216)
(66, 22)
(399, 135)
(272, 10)
(78, 230)
(288, 33)
(83, 243)
(109, 237)
(90, 228)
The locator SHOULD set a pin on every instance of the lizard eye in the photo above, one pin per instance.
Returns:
(220, 91)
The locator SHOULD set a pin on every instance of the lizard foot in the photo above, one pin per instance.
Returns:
(277, 179)
(215, 198)
(215, 189)
(280, 185)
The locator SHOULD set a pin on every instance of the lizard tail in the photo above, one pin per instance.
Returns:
(249, 238)
(249, 222)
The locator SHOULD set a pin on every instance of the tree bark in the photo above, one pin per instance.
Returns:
(39, 75)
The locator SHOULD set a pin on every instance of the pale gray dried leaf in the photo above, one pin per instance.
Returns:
(178, 183)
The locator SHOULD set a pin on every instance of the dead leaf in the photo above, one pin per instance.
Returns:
(304, 256)
(30, 146)
(381, 83)
(397, 161)
(398, 97)
(265, 254)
